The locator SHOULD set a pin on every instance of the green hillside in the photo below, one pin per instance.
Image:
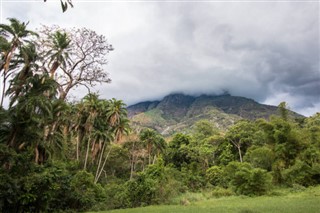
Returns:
(178, 112)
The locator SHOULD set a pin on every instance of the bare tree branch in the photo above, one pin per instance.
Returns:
(86, 58)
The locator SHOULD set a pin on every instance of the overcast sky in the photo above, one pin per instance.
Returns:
(264, 50)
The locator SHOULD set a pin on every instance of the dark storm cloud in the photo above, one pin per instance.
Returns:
(268, 51)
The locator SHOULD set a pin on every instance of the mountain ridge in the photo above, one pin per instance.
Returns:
(178, 112)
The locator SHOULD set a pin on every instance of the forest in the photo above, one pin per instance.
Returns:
(58, 155)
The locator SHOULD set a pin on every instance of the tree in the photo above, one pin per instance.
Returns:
(283, 109)
(58, 55)
(80, 55)
(91, 105)
(178, 152)
(260, 157)
(203, 129)
(30, 115)
(12, 38)
(116, 110)
(27, 60)
(153, 142)
(241, 136)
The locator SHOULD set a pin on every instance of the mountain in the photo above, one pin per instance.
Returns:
(179, 112)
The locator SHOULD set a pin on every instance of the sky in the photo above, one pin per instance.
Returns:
(264, 50)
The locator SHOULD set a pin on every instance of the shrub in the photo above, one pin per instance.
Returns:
(214, 175)
(261, 157)
(84, 193)
(141, 191)
(303, 174)
(157, 184)
(251, 181)
(247, 180)
(116, 196)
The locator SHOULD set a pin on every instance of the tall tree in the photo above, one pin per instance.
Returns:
(13, 37)
(81, 61)
(58, 55)
(283, 109)
(241, 136)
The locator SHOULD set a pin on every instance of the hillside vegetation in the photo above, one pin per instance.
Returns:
(178, 112)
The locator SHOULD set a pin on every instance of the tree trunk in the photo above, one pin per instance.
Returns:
(239, 149)
(131, 169)
(154, 159)
(8, 57)
(87, 154)
(3, 89)
(132, 161)
(77, 146)
(149, 147)
(36, 159)
(240, 155)
(13, 138)
(53, 69)
(104, 163)
(100, 159)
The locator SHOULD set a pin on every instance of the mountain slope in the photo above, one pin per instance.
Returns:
(178, 112)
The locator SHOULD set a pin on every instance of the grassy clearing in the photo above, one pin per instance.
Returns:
(306, 201)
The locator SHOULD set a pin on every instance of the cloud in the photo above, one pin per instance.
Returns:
(267, 51)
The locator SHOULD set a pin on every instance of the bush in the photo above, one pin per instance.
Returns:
(141, 191)
(193, 176)
(230, 170)
(261, 157)
(214, 175)
(170, 186)
(116, 196)
(84, 193)
(157, 184)
(251, 181)
(247, 180)
(44, 188)
(302, 174)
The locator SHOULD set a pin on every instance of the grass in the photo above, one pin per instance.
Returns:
(306, 201)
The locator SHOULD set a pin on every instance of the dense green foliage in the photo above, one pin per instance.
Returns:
(62, 156)
(53, 153)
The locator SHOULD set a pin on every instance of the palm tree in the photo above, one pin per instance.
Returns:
(56, 130)
(13, 36)
(78, 117)
(121, 128)
(17, 32)
(30, 115)
(59, 53)
(116, 109)
(91, 104)
(159, 145)
(149, 137)
(28, 57)
(37, 106)
(115, 112)
(5, 47)
(103, 139)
